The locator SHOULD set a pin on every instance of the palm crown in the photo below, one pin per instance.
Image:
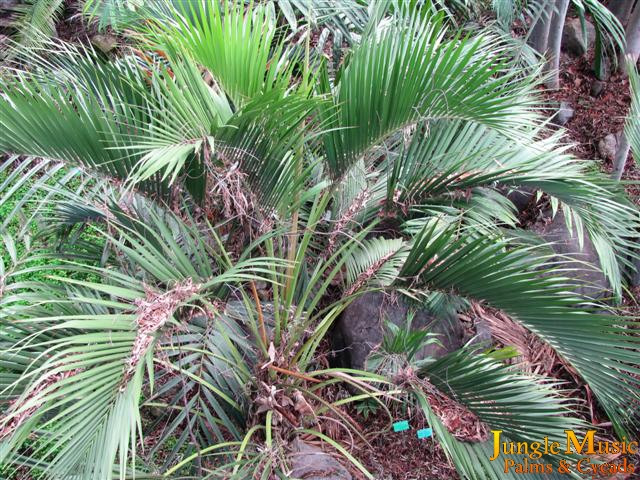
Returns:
(212, 158)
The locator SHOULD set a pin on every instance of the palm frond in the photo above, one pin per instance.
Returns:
(35, 23)
(116, 14)
(465, 162)
(524, 408)
(632, 125)
(375, 264)
(236, 45)
(490, 271)
(610, 35)
(92, 413)
(407, 70)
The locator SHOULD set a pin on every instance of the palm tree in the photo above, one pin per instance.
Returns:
(213, 159)
(547, 18)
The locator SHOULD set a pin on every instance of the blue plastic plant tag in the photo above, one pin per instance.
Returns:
(425, 433)
(401, 426)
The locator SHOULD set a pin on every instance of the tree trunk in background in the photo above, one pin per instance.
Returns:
(635, 280)
(553, 44)
(621, 9)
(540, 30)
(621, 157)
(632, 34)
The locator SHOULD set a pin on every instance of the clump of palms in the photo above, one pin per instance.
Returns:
(241, 194)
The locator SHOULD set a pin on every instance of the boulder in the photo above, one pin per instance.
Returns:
(608, 146)
(9, 4)
(360, 329)
(521, 197)
(582, 266)
(104, 42)
(483, 334)
(573, 41)
(563, 115)
(597, 87)
(312, 463)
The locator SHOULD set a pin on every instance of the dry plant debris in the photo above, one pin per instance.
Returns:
(152, 313)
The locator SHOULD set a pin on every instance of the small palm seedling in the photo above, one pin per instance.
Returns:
(399, 348)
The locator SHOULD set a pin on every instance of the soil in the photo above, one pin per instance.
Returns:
(401, 455)
(595, 117)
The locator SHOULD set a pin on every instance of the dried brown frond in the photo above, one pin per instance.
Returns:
(535, 356)
(152, 313)
(228, 183)
(461, 422)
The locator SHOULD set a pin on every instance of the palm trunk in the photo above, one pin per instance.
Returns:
(540, 29)
(632, 49)
(552, 67)
(635, 280)
(621, 9)
(621, 157)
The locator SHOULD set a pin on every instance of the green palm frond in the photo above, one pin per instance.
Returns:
(116, 14)
(192, 217)
(376, 263)
(236, 45)
(463, 160)
(35, 23)
(610, 35)
(423, 76)
(199, 367)
(91, 415)
(345, 19)
(632, 125)
(490, 271)
(524, 408)
(179, 124)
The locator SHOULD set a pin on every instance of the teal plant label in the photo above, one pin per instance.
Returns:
(401, 426)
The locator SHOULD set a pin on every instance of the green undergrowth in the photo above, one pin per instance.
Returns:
(33, 237)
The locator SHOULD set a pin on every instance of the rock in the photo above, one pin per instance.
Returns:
(483, 332)
(7, 22)
(607, 147)
(597, 88)
(521, 197)
(104, 42)
(582, 266)
(563, 115)
(312, 463)
(8, 4)
(360, 329)
(573, 42)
